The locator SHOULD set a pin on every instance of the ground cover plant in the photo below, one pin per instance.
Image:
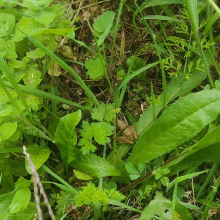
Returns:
(109, 109)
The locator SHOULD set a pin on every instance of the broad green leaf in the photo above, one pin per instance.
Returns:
(130, 168)
(20, 200)
(102, 25)
(45, 16)
(7, 24)
(94, 166)
(15, 63)
(9, 50)
(33, 102)
(36, 4)
(57, 31)
(96, 70)
(102, 131)
(179, 123)
(7, 130)
(39, 156)
(32, 78)
(177, 87)
(5, 110)
(5, 201)
(111, 112)
(160, 17)
(160, 206)
(82, 176)
(6, 175)
(65, 136)
(34, 54)
(27, 25)
(54, 69)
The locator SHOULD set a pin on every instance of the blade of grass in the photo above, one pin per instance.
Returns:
(193, 14)
(63, 65)
(11, 79)
(158, 53)
(214, 6)
(14, 13)
(46, 95)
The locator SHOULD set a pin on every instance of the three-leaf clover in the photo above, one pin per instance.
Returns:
(133, 171)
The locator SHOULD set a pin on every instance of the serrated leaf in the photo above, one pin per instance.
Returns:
(110, 113)
(87, 131)
(7, 130)
(20, 200)
(32, 101)
(102, 25)
(82, 176)
(99, 113)
(87, 146)
(136, 63)
(65, 136)
(178, 123)
(96, 70)
(102, 131)
(94, 166)
(38, 155)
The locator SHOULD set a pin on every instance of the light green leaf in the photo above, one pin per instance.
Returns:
(87, 131)
(82, 176)
(32, 101)
(57, 31)
(101, 132)
(102, 25)
(37, 53)
(20, 200)
(38, 155)
(65, 136)
(99, 113)
(94, 166)
(87, 146)
(36, 4)
(179, 123)
(96, 70)
(9, 50)
(45, 16)
(7, 24)
(32, 78)
(110, 112)
(15, 63)
(5, 110)
(160, 206)
(7, 130)
(5, 201)
(130, 168)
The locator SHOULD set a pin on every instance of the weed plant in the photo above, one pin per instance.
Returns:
(109, 109)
